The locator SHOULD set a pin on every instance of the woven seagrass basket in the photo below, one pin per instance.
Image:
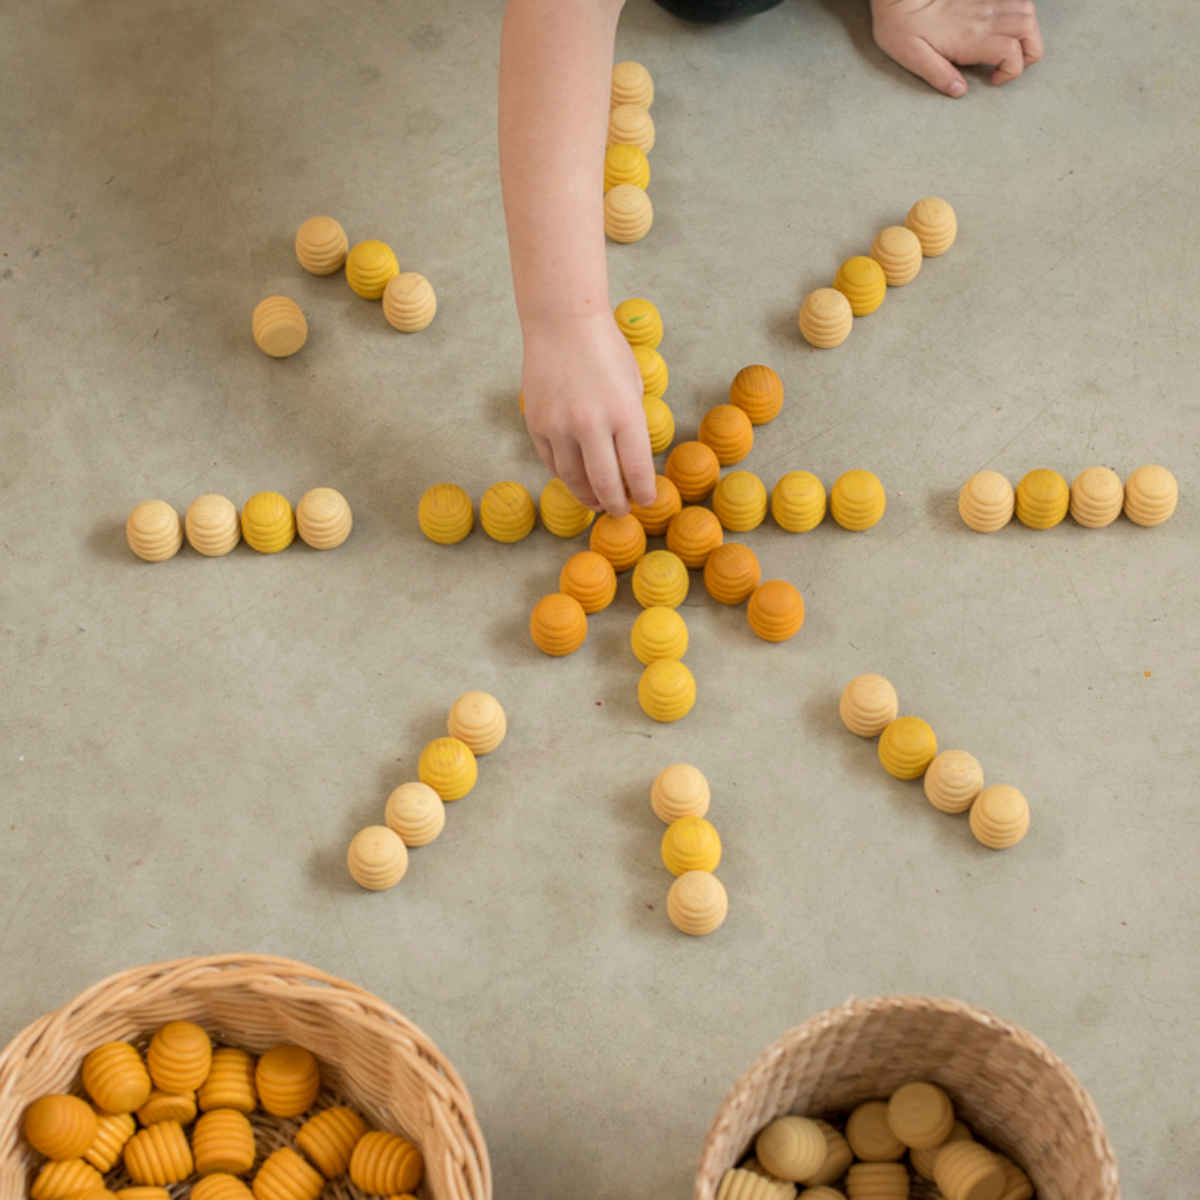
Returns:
(371, 1057)
(1010, 1089)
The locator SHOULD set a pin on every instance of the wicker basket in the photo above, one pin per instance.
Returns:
(371, 1058)
(1007, 1086)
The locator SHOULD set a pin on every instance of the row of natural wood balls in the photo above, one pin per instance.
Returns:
(628, 211)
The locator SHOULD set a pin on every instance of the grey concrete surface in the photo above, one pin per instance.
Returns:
(187, 748)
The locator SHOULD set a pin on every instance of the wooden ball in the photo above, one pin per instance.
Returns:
(218, 1187)
(268, 523)
(1096, 497)
(694, 469)
(775, 611)
(1151, 495)
(448, 766)
(741, 1183)
(369, 266)
(999, 817)
(409, 302)
(657, 516)
(284, 1175)
(877, 1181)
(653, 369)
(149, 1192)
(934, 223)
(287, 1077)
(666, 690)
(278, 326)
(223, 1140)
(628, 213)
(507, 512)
(179, 1057)
(758, 392)
(631, 84)
(731, 573)
(697, 903)
(862, 281)
(477, 719)
(116, 1078)
(230, 1082)
(640, 322)
(59, 1126)
(159, 1155)
(329, 1138)
(113, 1131)
(323, 518)
(660, 423)
(679, 790)
(624, 164)
(898, 251)
(660, 577)
(968, 1171)
(168, 1106)
(952, 781)
(986, 502)
(658, 633)
(415, 813)
(562, 514)
(321, 245)
(857, 500)
(868, 705)
(798, 502)
(740, 501)
(631, 125)
(621, 540)
(826, 318)
(920, 1115)
(383, 1164)
(791, 1148)
(66, 1179)
(1043, 499)
(838, 1157)
(694, 533)
(154, 531)
(870, 1136)
(1017, 1185)
(212, 525)
(445, 514)
(727, 431)
(558, 624)
(923, 1160)
(906, 747)
(376, 859)
(690, 844)
(590, 579)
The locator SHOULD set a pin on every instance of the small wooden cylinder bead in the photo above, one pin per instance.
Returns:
(376, 858)
(507, 512)
(857, 500)
(694, 533)
(449, 767)
(920, 1115)
(868, 705)
(1043, 499)
(690, 844)
(694, 469)
(445, 514)
(329, 1138)
(791, 1148)
(906, 747)
(113, 1130)
(660, 423)
(168, 1106)
(1151, 495)
(741, 1184)
(758, 391)
(179, 1056)
(898, 251)
(268, 523)
(116, 1078)
(639, 321)
(621, 540)
(631, 125)
(923, 1160)
(798, 502)
(952, 781)
(154, 531)
(287, 1080)
(775, 611)
(697, 903)
(558, 624)
(220, 1187)
(631, 84)
(369, 266)
(561, 513)
(877, 1181)
(1096, 497)
(415, 813)
(968, 1171)
(740, 501)
(284, 1175)
(212, 525)
(67, 1178)
(653, 369)
(666, 690)
(321, 245)
(838, 1157)
(862, 281)
(986, 502)
(159, 1155)
(731, 573)
(870, 1136)
(323, 518)
(826, 318)
(409, 302)
(230, 1082)
(384, 1163)
(727, 431)
(679, 790)
(660, 578)
(278, 326)
(657, 516)
(659, 633)
(223, 1140)
(624, 164)
(934, 223)
(628, 213)
(589, 578)
(60, 1126)
(477, 719)
(999, 817)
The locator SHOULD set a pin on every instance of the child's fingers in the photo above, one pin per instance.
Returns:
(936, 69)
(637, 464)
(568, 466)
(1008, 55)
(544, 451)
(1031, 44)
(600, 462)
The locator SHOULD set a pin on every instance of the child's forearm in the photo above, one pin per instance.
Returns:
(555, 80)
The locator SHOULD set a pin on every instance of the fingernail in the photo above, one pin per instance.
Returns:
(957, 88)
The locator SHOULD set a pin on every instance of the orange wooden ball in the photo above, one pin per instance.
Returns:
(694, 469)
(775, 611)
(621, 540)
(731, 573)
(558, 624)
(727, 431)
(694, 533)
(590, 578)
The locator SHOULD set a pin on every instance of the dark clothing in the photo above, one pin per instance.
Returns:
(716, 10)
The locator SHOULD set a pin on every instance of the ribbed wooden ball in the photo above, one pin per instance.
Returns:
(65, 1180)
(660, 577)
(868, 705)
(153, 531)
(369, 266)
(870, 1136)
(142, 1192)
(758, 391)
(631, 84)
(1097, 496)
(632, 125)
(727, 431)
(639, 321)
(59, 1126)
(230, 1082)
(323, 518)
(284, 1175)
(384, 1163)
(740, 501)
(653, 369)
(278, 326)
(113, 1131)
(179, 1056)
(477, 719)
(558, 624)
(680, 790)
(329, 1138)
(1043, 499)
(986, 502)
(445, 514)
(838, 1157)
(621, 540)
(697, 903)
(694, 469)
(935, 224)
(657, 516)
(159, 1155)
(667, 690)
(923, 1160)
(116, 1078)
(906, 747)
(376, 858)
(694, 533)
(288, 1078)
(212, 525)
(507, 512)
(625, 164)
(449, 767)
(223, 1141)
(590, 579)
(791, 1148)
(822, 1192)
(775, 611)
(415, 813)
(920, 1114)
(409, 302)
(798, 502)
(857, 500)
(968, 1171)
(952, 781)
(731, 573)
(658, 633)
(877, 1181)
(660, 423)
(690, 844)
(999, 816)
(220, 1187)
(740, 1184)
(898, 251)
(1017, 1185)
(628, 213)
(562, 514)
(1151, 495)
(862, 281)
(826, 318)
(321, 245)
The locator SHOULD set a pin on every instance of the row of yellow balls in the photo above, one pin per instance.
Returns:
(628, 211)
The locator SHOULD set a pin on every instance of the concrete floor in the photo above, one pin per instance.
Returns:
(188, 747)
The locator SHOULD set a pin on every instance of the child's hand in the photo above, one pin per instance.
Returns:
(583, 408)
(930, 36)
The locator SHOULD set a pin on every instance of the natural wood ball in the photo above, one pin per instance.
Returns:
(415, 813)
(631, 84)
(826, 318)
(680, 790)
(868, 705)
(632, 125)
(323, 518)
(477, 719)
(870, 1136)
(999, 817)
(321, 245)
(952, 781)
(628, 213)
(935, 224)
(1151, 495)
(212, 525)
(968, 1171)
(986, 502)
(377, 858)
(898, 251)
(278, 326)
(1096, 497)
(920, 1115)
(153, 531)
(697, 903)
(791, 1148)
(409, 302)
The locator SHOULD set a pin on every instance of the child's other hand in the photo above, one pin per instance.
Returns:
(583, 409)
(930, 36)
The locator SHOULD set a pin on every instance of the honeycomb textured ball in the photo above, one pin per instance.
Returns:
(1016, 1182)
(798, 502)
(758, 392)
(740, 1184)
(679, 790)
(660, 577)
(589, 578)
(113, 1130)
(631, 125)
(445, 514)
(639, 321)
(838, 1156)
(449, 767)
(621, 540)
(268, 523)
(906, 747)
(1043, 498)
(321, 245)
(657, 516)
(727, 431)
(1151, 495)
(159, 1155)
(631, 84)
(284, 1175)
(694, 533)
(690, 844)
(561, 513)
(415, 813)
(658, 634)
(168, 1106)
(731, 573)
(377, 859)
(740, 501)
(278, 326)
(154, 531)
(877, 1181)
(220, 1187)
(230, 1082)
(870, 1136)
(369, 266)
(558, 624)
(898, 251)
(986, 502)
(775, 611)
(212, 525)
(384, 1163)
(179, 1057)
(507, 512)
(116, 1078)
(697, 903)
(60, 1126)
(868, 705)
(660, 423)
(477, 719)
(223, 1140)
(287, 1080)
(323, 518)
(666, 690)
(920, 1115)
(952, 781)
(69, 1178)
(1096, 497)
(653, 369)
(628, 213)
(826, 318)
(329, 1138)
(923, 1160)
(791, 1148)
(862, 281)
(934, 223)
(409, 302)
(999, 817)
(857, 500)
(626, 165)
(968, 1171)
(694, 469)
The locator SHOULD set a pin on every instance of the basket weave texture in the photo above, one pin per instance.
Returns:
(372, 1058)
(1006, 1085)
